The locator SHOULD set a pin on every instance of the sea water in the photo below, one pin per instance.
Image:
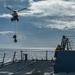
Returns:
(33, 54)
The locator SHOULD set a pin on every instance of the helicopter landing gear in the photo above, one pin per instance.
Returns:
(14, 19)
(17, 19)
(15, 38)
(11, 19)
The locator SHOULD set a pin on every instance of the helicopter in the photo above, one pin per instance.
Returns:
(15, 14)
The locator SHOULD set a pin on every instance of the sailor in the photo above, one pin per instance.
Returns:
(58, 48)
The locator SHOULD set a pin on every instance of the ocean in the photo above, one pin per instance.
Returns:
(39, 54)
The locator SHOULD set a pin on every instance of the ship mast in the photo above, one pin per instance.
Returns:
(65, 44)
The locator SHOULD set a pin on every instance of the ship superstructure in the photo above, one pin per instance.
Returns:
(65, 57)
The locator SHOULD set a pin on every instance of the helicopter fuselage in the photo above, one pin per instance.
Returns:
(15, 16)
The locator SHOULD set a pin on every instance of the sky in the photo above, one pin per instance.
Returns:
(42, 25)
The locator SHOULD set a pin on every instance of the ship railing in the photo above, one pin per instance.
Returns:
(26, 55)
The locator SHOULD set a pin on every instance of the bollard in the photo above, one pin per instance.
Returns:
(26, 58)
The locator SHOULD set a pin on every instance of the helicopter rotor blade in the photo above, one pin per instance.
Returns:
(10, 9)
(21, 9)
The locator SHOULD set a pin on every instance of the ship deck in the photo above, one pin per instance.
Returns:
(37, 67)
